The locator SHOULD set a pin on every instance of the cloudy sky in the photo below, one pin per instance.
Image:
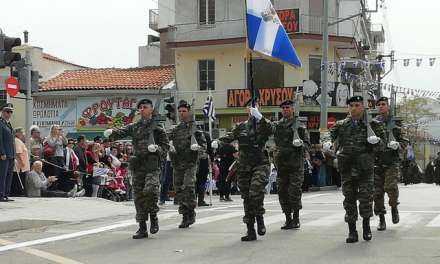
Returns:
(108, 33)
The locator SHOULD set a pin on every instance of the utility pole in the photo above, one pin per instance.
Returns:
(28, 88)
(324, 71)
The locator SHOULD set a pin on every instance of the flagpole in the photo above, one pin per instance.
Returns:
(210, 136)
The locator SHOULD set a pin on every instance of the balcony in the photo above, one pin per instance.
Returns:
(313, 25)
(153, 18)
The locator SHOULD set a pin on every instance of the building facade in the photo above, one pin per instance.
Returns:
(208, 45)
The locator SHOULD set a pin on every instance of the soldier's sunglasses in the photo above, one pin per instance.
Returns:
(382, 104)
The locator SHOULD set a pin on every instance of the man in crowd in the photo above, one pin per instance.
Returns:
(253, 168)
(356, 147)
(189, 144)
(150, 146)
(386, 173)
(291, 141)
(7, 152)
(22, 166)
(80, 151)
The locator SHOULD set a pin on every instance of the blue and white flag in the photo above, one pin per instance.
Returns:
(208, 109)
(266, 34)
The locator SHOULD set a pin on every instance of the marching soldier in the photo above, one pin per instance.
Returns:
(386, 174)
(188, 145)
(150, 145)
(356, 142)
(291, 141)
(253, 168)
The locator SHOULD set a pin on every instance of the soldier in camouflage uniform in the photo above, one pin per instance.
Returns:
(188, 145)
(289, 160)
(386, 173)
(253, 168)
(355, 152)
(150, 144)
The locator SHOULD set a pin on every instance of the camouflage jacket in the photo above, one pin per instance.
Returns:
(143, 133)
(251, 143)
(181, 137)
(387, 155)
(350, 137)
(283, 136)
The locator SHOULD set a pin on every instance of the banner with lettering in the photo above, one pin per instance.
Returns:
(48, 111)
(98, 113)
(268, 96)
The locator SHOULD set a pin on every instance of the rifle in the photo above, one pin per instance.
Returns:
(370, 132)
(296, 116)
(392, 118)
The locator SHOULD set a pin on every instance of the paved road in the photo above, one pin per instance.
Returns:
(215, 238)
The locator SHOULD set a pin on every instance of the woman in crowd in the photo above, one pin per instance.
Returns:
(54, 151)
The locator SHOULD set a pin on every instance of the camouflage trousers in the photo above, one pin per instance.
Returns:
(357, 184)
(289, 183)
(385, 180)
(145, 191)
(184, 185)
(252, 180)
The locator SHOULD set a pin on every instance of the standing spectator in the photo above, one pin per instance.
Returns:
(36, 140)
(55, 141)
(94, 158)
(429, 171)
(66, 182)
(22, 166)
(203, 171)
(7, 152)
(226, 153)
(80, 151)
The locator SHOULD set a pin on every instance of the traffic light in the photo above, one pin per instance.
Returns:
(7, 57)
(170, 108)
(20, 72)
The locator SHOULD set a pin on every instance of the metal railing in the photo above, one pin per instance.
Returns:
(153, 18)
(313, 25)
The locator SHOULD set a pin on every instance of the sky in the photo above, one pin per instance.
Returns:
(87, 32)
(108, 33)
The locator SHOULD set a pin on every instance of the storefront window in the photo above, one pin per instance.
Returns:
(266, 74)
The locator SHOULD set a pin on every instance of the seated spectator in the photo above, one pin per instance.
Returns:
(37, 184)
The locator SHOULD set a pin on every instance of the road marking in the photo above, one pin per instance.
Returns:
(435, 222)
(43, 254)
(330, 220)
(77, 234)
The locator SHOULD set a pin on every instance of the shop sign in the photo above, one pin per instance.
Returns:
(268, 96)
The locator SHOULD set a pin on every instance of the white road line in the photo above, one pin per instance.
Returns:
(330, 220)
(435, 222)
(77, 234)
(43, 254)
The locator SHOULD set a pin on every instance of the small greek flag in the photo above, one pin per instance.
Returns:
(208, 109)
(266, 34)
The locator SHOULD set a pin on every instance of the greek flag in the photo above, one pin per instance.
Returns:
(266, 34)
(208, 109)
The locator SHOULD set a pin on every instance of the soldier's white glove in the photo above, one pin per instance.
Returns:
(297, 142)
(195, 147)
(172, 148)
(327, 146)
(373, 140)
(214, 144)
(394, 145)
(153, 147)
(256, 113)
(108, 132)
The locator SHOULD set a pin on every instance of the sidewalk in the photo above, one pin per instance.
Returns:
(25, 213)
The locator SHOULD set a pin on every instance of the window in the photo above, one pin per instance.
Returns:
(267, 74)
(315, 68)
(206, 12)
(206, 75)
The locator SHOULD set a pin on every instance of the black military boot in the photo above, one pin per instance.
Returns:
(352, 233)
(251, 235)
(261, 228)
(382, 224)
(295, 219)
(142, 231)
(201, 199)
(366, 230)
(185, 221)
(154, 223)
(289, 222)
(192, 218)
(395, 215)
